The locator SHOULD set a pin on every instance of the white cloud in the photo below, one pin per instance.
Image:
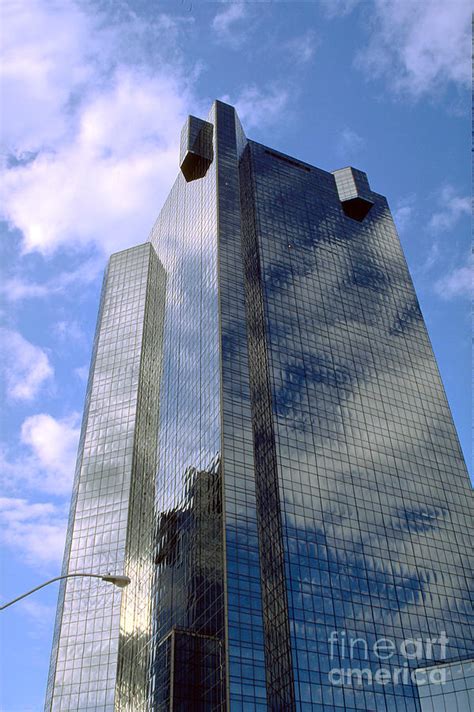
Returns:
(40, 614)
(339, 8)
(350, 143)
(110, 176)
(54, 445)
(18, 288)
(15, 289)
(103, 138)
(452, 208)
(224, 24)
(457, 283)
(259, 108)
(36, 530)
(432, 259)
(48, 461)
(82, 372)
(403, 216)
(404, 212)
(43, 64)
(69, 330)
(26, 367)
(302, 48)
(418, 47)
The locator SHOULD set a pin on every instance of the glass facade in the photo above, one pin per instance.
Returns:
(189, 618)
(98, 641)
(372, 488)
(447, 688)
(302, 543)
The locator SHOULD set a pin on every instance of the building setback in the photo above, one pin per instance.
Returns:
(268, 453)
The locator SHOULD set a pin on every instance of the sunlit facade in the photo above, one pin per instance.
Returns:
(267, 451)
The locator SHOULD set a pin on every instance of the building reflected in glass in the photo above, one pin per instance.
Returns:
(267, 451)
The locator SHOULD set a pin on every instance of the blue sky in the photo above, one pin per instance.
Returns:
(94, 97)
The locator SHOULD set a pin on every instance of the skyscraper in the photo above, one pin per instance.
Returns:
(267, 451)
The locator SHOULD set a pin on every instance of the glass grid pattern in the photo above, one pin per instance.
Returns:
(188, 594)
(247, 684)
(135, 620)
(451, 690)
(93, 616)
(374, 493)
(351, 183)
(280, 692)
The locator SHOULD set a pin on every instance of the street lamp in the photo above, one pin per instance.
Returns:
(116, 579)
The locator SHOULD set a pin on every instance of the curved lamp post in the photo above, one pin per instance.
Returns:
(117, 580)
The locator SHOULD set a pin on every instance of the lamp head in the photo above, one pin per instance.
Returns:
(117, 580)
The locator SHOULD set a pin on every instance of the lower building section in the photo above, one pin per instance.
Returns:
(189, 659)
(192, 676)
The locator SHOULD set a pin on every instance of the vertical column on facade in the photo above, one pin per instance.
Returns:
(188, 670)
(101, 633)
(136, 611)
(246, 666)
(278, 659)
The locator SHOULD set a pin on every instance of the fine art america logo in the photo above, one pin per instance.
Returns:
(382, 654)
